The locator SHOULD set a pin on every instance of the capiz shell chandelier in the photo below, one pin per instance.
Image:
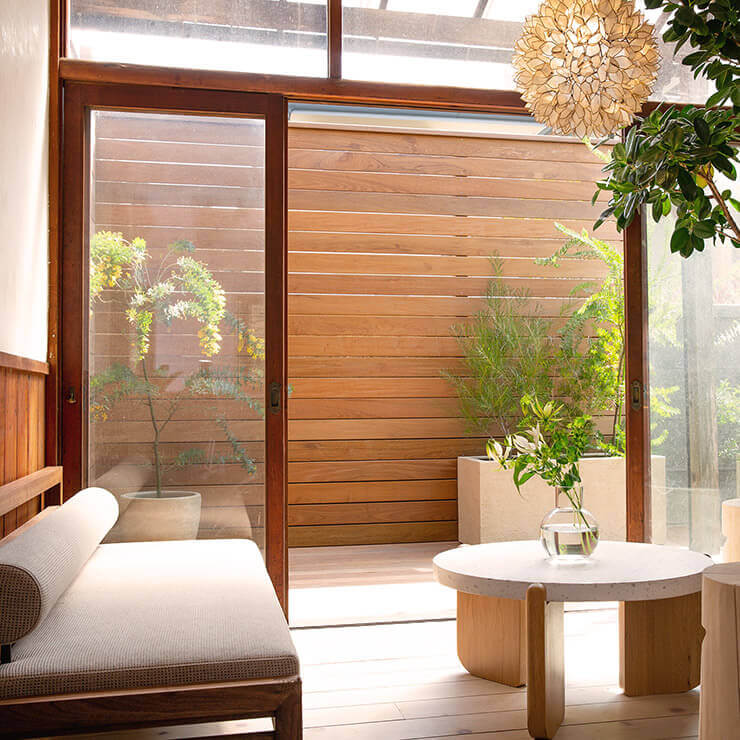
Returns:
(585, 67)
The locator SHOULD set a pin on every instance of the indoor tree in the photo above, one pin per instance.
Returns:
(672, 157)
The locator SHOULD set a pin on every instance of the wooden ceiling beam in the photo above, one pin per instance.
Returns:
(298, 88)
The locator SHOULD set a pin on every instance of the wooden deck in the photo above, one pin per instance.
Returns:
(403, 681)
(365, 584)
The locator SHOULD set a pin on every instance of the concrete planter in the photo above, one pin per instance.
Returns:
(146, 517)
(490, 509)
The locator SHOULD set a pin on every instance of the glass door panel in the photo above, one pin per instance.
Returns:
(176, 340)
(694, 351)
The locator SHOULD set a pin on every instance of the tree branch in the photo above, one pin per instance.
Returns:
(723, 206)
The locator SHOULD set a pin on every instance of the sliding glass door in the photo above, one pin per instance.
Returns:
(694, 353)
(173, 314)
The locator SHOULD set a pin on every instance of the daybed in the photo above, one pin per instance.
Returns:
(101, 637)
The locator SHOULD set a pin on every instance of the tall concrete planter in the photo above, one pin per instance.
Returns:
(491, 510)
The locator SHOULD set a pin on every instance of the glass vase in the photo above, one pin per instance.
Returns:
(569, 533)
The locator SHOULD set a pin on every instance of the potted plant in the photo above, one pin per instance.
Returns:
(151, 293)
(550, 448)
(511, 351)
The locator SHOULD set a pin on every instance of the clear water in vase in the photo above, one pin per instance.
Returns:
(569, 540)
(569, 533)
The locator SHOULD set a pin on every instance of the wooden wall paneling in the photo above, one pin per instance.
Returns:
(390, 241)
(22, 440)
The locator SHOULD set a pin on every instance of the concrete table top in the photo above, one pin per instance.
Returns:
(617, 571)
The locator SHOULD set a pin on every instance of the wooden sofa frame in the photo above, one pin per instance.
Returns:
(104, 711)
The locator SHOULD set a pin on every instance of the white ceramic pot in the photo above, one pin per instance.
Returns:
(145, 517)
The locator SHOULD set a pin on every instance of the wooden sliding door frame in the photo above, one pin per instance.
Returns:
(193, 91)
(79, 100)
(637, 405)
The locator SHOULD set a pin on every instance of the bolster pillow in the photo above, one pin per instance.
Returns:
(38, 565)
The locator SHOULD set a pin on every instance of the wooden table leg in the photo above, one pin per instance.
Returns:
(491, 639)
(546, 669)
(660, 645)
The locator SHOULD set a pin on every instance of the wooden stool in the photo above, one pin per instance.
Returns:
(719, 714)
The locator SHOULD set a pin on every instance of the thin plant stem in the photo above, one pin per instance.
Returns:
(155, 441)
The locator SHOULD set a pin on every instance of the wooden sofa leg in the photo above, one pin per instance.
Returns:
(289, 717)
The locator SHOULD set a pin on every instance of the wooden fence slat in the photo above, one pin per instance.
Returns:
(161, 151)
(372, 534)
(373, 512)
(371, 285)
(435, 183)
(435, 145)
(368, 491)
(456, 308)
(392, 264)
(521, 247)
(332, 222)
(443, 205)
(382, 449)
(458, 167)
(365, 470)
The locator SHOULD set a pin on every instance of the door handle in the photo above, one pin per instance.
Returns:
(276, 398)
(636, 395)
(70, 396)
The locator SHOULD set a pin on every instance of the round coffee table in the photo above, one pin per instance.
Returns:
(510, 616)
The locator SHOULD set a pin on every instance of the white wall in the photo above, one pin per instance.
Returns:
(24, 43)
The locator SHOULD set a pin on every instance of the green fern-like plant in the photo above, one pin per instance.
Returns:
(505, 347)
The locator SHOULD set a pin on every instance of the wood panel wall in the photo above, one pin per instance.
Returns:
(390, 241)
(22, 427)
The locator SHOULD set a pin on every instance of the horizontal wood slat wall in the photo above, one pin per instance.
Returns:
(390, 239)
(22, 425)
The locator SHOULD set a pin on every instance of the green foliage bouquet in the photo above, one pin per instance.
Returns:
(546, 446)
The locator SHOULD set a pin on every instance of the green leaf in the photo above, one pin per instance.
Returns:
(679, 240)
(722, 163)
(687, 184)
(705, 229)
(716, 99)
(657, 211)
(702, 130)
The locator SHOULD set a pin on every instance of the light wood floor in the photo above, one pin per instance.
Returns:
(403, 681)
